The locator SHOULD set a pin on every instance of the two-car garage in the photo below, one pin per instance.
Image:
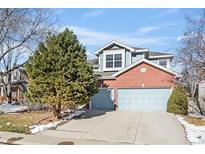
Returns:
(143, 86)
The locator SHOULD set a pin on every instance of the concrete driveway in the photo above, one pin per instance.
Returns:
(122, 127)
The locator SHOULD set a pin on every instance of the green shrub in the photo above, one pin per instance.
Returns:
(178, 102)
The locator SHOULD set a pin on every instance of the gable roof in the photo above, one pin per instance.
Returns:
(112, 43)
(159, 54)
(141, 61)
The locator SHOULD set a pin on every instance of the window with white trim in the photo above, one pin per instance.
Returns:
(109, 61)
(113, 60)
(118, 60)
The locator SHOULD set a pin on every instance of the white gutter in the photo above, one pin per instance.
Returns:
(164, 56)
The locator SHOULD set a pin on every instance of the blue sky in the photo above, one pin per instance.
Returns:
(156, 29)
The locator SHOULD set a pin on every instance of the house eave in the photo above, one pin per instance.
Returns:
(162, 56)
(113, 42)
(146, 61)
(106, 78)
(141, 50)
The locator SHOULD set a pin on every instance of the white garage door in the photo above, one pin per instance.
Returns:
(143, 99)
(103, 100)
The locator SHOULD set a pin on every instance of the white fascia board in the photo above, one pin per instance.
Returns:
(107, 78)
(113, 42)
(141, 50)
(164, 56)
(146, 61)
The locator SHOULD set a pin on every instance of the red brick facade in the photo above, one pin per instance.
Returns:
(153, 77)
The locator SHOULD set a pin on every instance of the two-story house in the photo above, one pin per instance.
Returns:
(131, 78)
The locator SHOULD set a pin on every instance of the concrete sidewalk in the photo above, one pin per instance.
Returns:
(19, 138)
(10, 138)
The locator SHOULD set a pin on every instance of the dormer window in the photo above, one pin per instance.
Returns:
(118, 60)
(109, 61)
(113, 60)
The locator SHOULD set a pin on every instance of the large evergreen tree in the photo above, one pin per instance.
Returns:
(59, 74)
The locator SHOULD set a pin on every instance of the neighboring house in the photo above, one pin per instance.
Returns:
(201, 93)
(131, 78)
(19, 83)
(202, 90)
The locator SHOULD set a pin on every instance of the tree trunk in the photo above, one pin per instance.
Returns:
(58, 111)
(9, 89)
(54, 110)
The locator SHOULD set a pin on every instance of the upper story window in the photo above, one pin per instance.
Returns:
(113, 60)
(109, 61)
(163, 63)
(118, 60)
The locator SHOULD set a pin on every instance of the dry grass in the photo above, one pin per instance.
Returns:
(196, 121)
(20, 122)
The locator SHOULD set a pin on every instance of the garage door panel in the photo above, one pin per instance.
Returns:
(103, 100)
(143, 99)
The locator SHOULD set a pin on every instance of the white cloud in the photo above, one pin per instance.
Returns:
(170, 11)
(167, 12)
(92, 37)
(94, 13)
(168, 24)
(147, 29)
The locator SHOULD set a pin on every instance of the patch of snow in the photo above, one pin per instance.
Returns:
(38, 128)
(81, 106)
(195, 134)
(8, 123)
(9, 108)
(75, 114)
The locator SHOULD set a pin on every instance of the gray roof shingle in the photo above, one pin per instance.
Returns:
(151, 53)
(93, 61)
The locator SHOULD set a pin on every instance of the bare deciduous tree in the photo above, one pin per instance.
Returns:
(191, 56)
(20, 31)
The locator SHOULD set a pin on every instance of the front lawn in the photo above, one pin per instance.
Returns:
(196, 121)
(20, 122)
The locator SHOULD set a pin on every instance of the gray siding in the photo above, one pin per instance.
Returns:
(101, 62)
(137, 56)
(156, 61)
(127, 58)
